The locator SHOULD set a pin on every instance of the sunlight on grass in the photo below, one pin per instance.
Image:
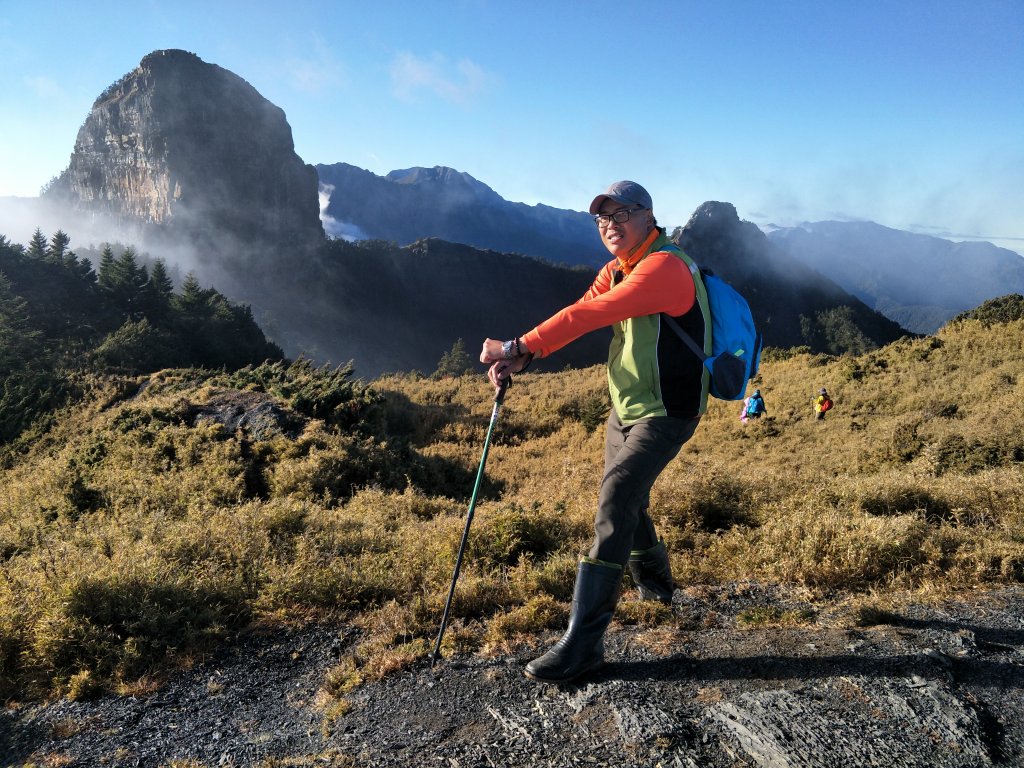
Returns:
(135, 535)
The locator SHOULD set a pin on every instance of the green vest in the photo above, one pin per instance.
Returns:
(635, 377)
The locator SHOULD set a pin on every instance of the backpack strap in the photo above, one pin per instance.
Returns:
(687, 338)
(701, 297)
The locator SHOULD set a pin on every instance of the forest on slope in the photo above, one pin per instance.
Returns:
(61, 318)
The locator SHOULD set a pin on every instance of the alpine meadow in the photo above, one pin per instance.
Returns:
(252, 468)
(149, 518)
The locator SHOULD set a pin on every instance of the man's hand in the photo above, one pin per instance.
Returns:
(502, 367)
(492, 351)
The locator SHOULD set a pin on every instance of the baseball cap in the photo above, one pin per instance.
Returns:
(625, 192)
(824, 391)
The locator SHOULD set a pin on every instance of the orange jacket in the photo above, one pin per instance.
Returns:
(659, 283)
(650, 373)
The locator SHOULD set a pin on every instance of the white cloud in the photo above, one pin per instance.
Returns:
(457, 83)
(316, 73)
(336, 228)
(44, 87)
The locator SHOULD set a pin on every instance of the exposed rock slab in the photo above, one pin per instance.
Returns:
(934, 687)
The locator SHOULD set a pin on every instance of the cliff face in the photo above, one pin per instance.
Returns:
(186, 147)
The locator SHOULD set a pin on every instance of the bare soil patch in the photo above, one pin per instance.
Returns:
(934, 685)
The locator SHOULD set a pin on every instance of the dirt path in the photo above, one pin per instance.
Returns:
(934, 686)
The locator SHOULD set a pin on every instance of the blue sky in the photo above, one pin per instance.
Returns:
(910, 114)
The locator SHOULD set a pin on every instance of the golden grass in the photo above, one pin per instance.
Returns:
(132, 538)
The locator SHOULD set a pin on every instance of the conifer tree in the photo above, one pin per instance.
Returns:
(160, 280)
(157, 293)
(455, 362)
(38, 246)
(83, 268)
(58, 252)
(105, 275)
(192, 297)
(126, 282)
(126, 269)
(18, 340)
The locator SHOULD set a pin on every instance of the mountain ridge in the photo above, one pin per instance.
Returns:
(888, 268)
(409, 204)
(388, 303)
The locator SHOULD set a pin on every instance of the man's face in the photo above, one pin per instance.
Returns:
(621, 238)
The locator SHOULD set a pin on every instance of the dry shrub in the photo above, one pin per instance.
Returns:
(822, 548)
(705, 500)
(645, 613)
(539, 613)
(905, 499)
(90, 622)
(834, 549)
(555, 576)
(510, 533)
(130, 535)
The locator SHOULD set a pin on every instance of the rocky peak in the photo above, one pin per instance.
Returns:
(712, 218)
(188, 147)
(453, 182)
(724, 242)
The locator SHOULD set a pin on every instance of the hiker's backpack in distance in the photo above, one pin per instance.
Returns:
(755, 406)
(735, 341)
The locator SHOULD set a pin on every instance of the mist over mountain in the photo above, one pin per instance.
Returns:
(413, 203)
(180, 150)
(204, 168)
(793, 304)
(917, 280)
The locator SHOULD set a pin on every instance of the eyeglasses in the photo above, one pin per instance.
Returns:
(620, 216)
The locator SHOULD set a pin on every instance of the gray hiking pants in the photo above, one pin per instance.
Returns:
(634, 456)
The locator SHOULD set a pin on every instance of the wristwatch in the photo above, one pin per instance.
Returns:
(508, 350)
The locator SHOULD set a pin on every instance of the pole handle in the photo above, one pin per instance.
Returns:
(499, 395)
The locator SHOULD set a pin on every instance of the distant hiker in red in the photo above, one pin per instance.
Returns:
(822, 403)
(659, 390)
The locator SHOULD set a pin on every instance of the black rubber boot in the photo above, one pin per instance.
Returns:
(652, 573)
(581, 648)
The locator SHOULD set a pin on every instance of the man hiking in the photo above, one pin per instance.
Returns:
(659, 390)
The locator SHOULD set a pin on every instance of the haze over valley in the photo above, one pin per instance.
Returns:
(189, 163)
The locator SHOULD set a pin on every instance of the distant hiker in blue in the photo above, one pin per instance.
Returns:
(753, 407)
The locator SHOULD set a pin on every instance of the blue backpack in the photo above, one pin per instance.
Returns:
(756, 405)
(735, 341)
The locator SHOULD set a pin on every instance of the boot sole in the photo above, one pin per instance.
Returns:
(569, 679)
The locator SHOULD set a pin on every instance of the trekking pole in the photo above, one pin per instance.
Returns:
(499, 397)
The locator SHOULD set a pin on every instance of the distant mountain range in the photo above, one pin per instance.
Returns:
(442, 255)
(413, 203)
(917, 280)
(904, 276)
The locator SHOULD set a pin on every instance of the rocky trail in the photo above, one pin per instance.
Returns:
(934, 685)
